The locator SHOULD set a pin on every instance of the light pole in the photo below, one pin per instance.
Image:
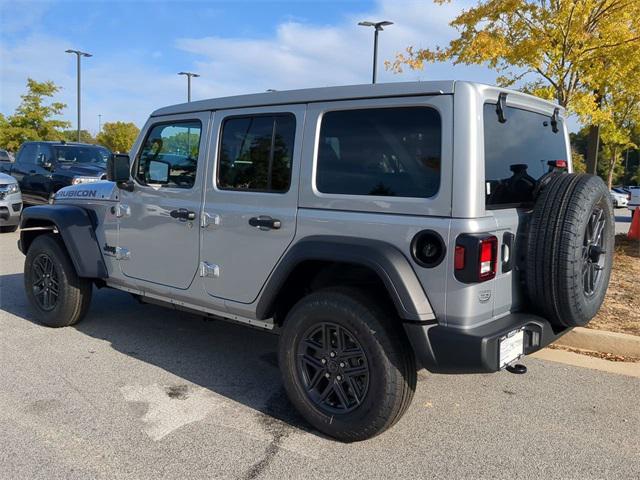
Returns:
(189, 75)
(99, 122)
(378, 26)
(79, 54)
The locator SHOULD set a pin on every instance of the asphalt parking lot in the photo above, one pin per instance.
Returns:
(137, 391)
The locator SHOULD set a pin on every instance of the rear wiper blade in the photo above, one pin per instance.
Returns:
(554, 120)
(501, 106)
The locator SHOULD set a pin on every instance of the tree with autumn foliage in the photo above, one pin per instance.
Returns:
(118, 136)
(34, 119)
(572, 51)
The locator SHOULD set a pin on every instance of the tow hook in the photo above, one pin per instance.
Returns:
(518, 369)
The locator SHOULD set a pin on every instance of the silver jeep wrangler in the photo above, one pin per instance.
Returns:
(378, 228)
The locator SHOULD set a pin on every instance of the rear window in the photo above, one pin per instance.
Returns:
(81, 154)
(391, 152)
(516, 154)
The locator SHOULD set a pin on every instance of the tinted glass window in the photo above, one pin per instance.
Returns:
(256, 153)
(81, 154)
(28, 154)
(169, 156)
(516, 153)
(380, 151)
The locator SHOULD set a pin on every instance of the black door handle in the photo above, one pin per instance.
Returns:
(265, 223)
(183, 214)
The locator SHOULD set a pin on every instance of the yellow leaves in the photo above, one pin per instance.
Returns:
(572, 45)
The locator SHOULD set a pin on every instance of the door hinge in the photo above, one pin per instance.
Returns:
(122, 253)
(209, 270)
(123, 210)
(208, 219)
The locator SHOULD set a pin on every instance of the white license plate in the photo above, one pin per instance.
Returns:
(511, 347)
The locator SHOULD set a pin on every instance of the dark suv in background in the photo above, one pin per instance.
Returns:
(42, 168)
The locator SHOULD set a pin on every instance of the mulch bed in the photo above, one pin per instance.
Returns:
(620, 311)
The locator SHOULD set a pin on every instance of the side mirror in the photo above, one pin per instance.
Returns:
(118, 170)
(44, 162)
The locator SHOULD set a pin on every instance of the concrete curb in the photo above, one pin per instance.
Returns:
(602, 341)
(584, 361)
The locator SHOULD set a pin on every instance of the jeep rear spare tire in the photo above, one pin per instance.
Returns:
(570, 249)
(346, 366)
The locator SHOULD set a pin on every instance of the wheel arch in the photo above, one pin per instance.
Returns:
(76, 227)
(376, 260)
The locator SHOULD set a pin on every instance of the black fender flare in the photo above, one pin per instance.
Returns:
(389, 263)
(76, 226)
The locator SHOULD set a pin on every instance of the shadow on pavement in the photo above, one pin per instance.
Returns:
(237, 362)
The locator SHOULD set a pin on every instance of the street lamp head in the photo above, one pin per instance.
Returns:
(189, 74)
(79, 53)
(377, 25)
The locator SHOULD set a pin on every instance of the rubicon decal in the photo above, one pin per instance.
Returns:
(77, 193)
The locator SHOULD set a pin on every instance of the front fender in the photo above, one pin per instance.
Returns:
(76, 226)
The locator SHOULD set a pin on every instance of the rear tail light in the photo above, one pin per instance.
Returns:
(459, 257)
(488, 258)
(476, 257)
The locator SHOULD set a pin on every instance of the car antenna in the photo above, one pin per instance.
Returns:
(554, 120)
(500, 107)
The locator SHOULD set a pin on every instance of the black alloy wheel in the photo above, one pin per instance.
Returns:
(333, 367)
(58, 296)
(593, 252)
(347, 365)
(44, 282)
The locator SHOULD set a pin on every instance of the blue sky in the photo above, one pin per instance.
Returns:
(237, 46)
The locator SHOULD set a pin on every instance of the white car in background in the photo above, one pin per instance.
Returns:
(10, 203)
(619, 200)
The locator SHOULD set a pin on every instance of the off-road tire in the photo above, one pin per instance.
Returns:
(390, 359)
(73, 293)
(556, 251)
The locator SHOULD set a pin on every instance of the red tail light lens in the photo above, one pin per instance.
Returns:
(488, 258)
(458, 262)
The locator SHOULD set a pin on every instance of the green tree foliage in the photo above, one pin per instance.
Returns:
(34, 119)
(118, 136)
(72, 136)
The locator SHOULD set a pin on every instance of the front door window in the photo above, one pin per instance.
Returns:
(169, 156)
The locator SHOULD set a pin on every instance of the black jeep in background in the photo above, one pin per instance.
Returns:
(42, 168)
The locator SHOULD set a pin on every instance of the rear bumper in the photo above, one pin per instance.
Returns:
(453, 350)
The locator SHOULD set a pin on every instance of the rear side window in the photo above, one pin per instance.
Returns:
(28, 154)
(169, 156)
(516, 154)
(392, 152)
(256, 153)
